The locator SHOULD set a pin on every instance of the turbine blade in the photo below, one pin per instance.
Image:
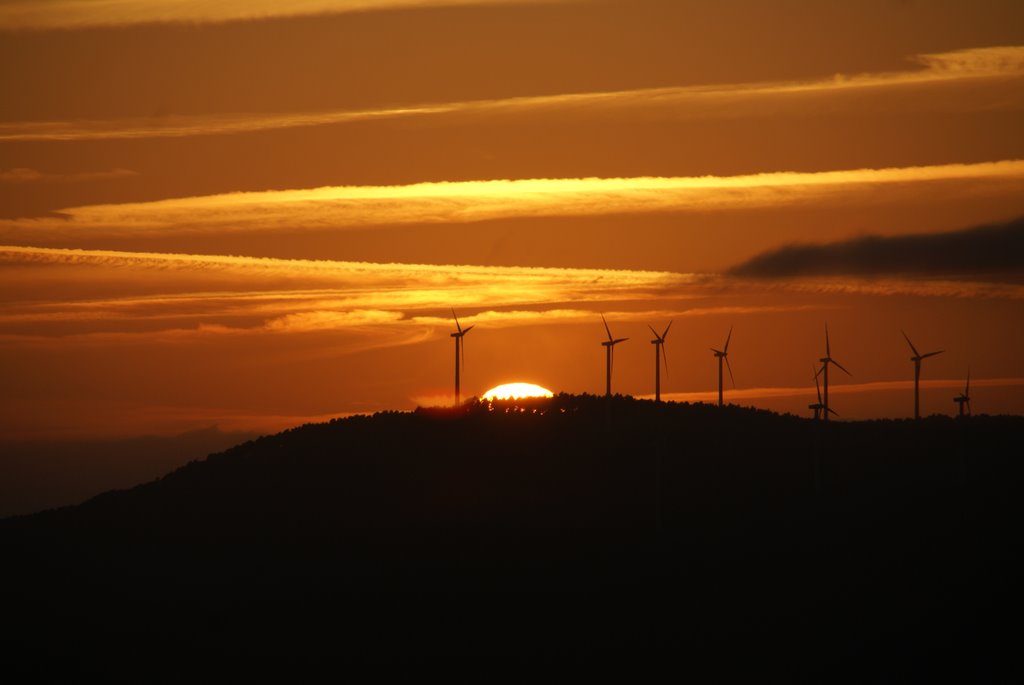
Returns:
(817, 386)
(606, 329)
(611, 360)
(841, 367)
(616, 342)
(715, 351)
(729, 366)
(967, 388)
(931, 354)
(654, 331)
(468, 329)
(727, 339)
(456, 320)
(833, 412)
(462, 355)
(666, 330)
(916, 353)
(664, 356)
(828, 352)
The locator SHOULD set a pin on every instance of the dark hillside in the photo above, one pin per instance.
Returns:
(563, 528)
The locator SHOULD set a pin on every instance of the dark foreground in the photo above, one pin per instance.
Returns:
(640, 536)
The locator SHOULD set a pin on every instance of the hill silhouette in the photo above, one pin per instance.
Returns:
(563, 528)
(42, 474)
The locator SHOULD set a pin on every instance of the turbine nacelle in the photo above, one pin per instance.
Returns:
(965, 397)
(660, 339)
(460, 330)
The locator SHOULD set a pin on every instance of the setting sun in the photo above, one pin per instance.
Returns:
(510, 391)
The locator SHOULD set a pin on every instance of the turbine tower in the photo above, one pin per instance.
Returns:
(917, 373)
(819, 406)
(460, 355)
(609, 346)
(825, 361)
(659, 352)
(724, 354)
(965, 397)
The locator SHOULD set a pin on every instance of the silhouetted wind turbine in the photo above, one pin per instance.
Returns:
(609, 346)
(917, 373)
(724, 354)
(659, 347)
(825, 361)
(965, 397)
(819, 406)
(460, 355)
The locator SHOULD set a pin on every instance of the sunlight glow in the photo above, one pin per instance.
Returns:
(510, 391)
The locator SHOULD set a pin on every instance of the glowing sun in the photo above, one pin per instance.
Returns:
(510, 391)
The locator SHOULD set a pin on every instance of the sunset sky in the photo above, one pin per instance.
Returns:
(253, 214)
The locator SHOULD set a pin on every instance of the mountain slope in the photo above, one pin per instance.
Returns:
(548, 528)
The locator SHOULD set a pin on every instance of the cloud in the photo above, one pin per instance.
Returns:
(886, 287)
(335, 207)
(997, 67)
(516, 282)
(203, 295)
(980, 251)
(25, 175)
(839, 389)
(149, 298)
(78, 14)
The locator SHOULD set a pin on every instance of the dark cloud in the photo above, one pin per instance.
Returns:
(981, 250)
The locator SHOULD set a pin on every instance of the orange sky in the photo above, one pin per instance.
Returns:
(256, 214)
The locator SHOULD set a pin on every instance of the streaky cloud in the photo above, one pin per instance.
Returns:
(987, 251)
(840, 389)
(84, 14)
(373, 273)
(341, 207)
(168, 296)
(1001, 66)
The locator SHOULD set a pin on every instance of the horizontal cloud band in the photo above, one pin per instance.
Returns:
(64, 14)
(1001, 66)
(339, 207)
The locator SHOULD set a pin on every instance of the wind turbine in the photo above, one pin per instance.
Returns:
(819, 406)
(609, 346)
(724, 354)
(917, 373)
(460, 354)
(659, 347)
(825, 361)
(965, 397)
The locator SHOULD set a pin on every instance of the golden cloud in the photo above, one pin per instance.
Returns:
(339, 207)
(998, 67)
(64, 14)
